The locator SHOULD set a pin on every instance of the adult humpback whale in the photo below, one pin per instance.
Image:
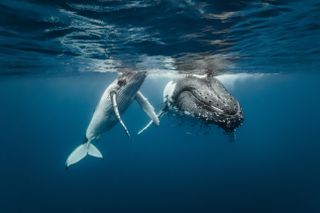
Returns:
(115, 100)
(204, 98)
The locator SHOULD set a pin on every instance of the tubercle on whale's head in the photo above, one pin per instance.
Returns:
(208, 100)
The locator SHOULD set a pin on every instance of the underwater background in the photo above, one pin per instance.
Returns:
(57, 58)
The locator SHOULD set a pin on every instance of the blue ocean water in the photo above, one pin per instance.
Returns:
(57, 58)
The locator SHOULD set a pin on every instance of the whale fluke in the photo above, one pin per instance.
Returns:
(116, 111)
(82, 151)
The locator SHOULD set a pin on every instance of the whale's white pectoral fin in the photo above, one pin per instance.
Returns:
(116, 111)
(82, 151)
(146, 127)
(147, 108)
(159, 115)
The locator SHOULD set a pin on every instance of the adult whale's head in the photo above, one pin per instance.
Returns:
(206, 99)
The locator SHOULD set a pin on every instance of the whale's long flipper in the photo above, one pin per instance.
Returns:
(159, 115)
(147, 108)
(81, 151)
(116, 111)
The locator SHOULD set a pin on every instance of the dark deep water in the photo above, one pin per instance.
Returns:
(57, 57)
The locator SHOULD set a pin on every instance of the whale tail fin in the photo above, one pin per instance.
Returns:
(82, 151)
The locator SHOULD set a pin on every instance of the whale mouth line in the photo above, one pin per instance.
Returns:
(228, 121)
(206, 104)
(214, 108)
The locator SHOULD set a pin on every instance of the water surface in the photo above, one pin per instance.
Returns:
(57, 57)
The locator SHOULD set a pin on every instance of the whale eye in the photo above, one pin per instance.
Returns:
(122, 82)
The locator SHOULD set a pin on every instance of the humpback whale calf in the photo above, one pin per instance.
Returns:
(204, 98)
(115, 100)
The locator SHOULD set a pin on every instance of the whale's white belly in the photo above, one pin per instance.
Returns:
(104, 117)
